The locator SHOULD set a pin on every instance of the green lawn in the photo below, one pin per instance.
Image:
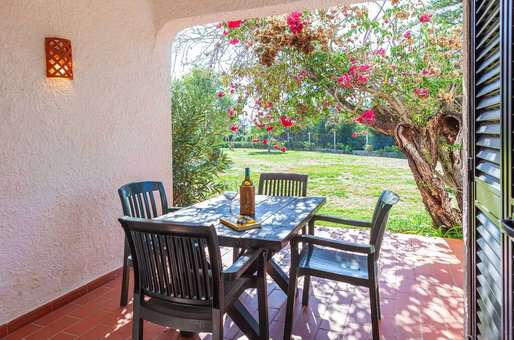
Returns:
(351, 184)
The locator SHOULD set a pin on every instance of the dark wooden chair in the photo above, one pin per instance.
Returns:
(354, 263)
(139, 199)
(282, 184)
(179, 278)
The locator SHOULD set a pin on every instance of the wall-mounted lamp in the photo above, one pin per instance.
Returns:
(59, 63)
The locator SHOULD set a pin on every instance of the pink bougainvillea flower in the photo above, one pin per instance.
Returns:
(364, 68)
(219, 25)
(269, 128)
(276, 147)
(265, 141)
(234, 128)
(286, 121)
(231, 112)
(422, 92)
(220, 94)
(362, 80)
(295, 23)
(369, 115)
(256, 140)
(407, 35)
(353, 69)
(283, 149)
(366, 117)
(380, 52)
(269, 105)
(345, 81)
(425, 18)
(225, 32)
(234, 41)
(234, 24)
(232, 90)
(355, 135)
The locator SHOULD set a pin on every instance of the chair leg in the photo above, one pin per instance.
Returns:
(374, 311)
(235, 254)
(291, 294)
(217, 325)
(125, 276)
(377, 289)
(137, 323)
(307, 279)
(378, 303)
(262, 298)
(306, 287)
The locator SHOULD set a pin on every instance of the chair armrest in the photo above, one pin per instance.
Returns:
(242, 264)
(336, 244)
(173, 209)
(355, 223)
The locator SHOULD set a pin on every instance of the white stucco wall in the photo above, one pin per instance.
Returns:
(66, 146)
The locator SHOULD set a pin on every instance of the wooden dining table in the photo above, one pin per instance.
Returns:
(281, 218)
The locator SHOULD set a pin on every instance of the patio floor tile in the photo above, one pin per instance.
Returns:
(421, 290)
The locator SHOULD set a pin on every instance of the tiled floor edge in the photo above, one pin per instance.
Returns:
(48, 307)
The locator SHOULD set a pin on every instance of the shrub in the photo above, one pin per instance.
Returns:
(199, 123)
(345, 148)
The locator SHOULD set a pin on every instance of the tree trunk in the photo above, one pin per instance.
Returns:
(423, 160)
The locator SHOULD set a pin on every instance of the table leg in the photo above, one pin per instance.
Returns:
(244, 320)
(278, 275)
(262, 297)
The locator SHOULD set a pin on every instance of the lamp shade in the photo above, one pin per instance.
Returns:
(59, 62)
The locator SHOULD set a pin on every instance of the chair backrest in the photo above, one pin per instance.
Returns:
(283, 184)
(176, 262)
(380, 216)
(138, 200)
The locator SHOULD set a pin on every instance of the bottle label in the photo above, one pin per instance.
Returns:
(247, 200)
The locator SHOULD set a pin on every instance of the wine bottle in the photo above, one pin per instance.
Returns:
(247, 196)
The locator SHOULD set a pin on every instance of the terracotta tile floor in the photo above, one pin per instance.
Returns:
(421, 297)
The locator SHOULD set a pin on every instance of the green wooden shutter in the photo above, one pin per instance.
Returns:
(490, 93)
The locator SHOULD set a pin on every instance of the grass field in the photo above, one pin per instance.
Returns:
(351, 184)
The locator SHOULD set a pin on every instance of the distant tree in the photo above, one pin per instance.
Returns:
(199, 122)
